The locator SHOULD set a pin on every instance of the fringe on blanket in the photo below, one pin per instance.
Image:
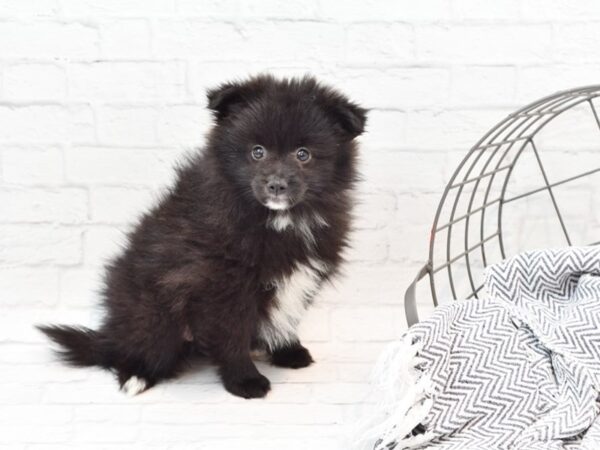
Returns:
(402, 390)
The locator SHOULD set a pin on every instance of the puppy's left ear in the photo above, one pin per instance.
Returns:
(223, 98)
(351, 118)
(228, 97)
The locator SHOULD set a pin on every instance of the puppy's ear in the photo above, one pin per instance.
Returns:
(222, 98)
(348, 115)
(228, 97)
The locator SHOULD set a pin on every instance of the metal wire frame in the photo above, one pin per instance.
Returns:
(503, 145)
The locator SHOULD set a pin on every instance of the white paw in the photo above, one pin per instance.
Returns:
(134, 386)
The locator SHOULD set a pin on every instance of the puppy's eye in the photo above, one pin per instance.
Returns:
(258, 152)
(303, 154)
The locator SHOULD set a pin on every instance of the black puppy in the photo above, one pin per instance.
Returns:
(232, 257)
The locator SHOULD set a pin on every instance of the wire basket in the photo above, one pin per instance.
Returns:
(549, 178)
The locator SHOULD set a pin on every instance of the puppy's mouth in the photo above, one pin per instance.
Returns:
(277, 203)
(279, 199)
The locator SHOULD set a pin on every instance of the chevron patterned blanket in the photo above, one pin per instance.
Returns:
(518, 369)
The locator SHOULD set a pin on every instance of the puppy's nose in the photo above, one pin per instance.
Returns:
(276, 186)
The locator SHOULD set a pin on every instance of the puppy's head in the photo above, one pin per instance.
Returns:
(285, 142)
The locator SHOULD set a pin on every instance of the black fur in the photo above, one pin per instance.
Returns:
(198, 271)
(293, 355)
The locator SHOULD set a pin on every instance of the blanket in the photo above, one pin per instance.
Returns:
(518, 369)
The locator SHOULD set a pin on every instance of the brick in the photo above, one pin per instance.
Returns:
(222, 9)
(374, 209)
(117, 7)
(120, 205)
(300, 443)
(458, 129)
(123, 414)
(287, 393)
(419, 171)
(367, 324)
(102, 244)
(39, 373)
(385, 129)
(182, 434)
(123, 125)
(362, 351)
(560, 11)
(417, 209)
(38, 414)
(17, 289)
(37, 7)
(244, 413)
(32, 166)
(188, 38)
(369, 285)
(20, 393)
(539, 81)
(398, 88)
(123, 167)
(485, 44)
(380, 43)
(477, 86)
(322, 371)
(355, 372)
(203, 75)
(342, 393)
(39, 244)
(44, 38)
(486, 9)
(183, 125)
(575, 41)
(104, 393)
(126, 81)
(387, 10)
(20, 434)
(46, 123)
(103, 433)
(280, 9)
(67, 205)
(409, 243)
(315, 326)
(39, 82)
(367, 245)
(80, 288)
(125, 38)
(254, 42)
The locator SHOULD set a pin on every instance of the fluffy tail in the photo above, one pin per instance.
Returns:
(80, 346)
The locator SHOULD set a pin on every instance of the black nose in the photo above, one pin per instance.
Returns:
(276, 186)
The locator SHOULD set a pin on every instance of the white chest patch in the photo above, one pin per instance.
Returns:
(292, 298)
(302, 226)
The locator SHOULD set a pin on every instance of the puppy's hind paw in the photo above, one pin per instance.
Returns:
(134, 386)
(294, 357)
(256, 386)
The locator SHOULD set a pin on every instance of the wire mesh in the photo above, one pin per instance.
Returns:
(469, 230)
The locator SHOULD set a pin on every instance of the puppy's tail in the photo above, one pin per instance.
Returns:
(80, 346)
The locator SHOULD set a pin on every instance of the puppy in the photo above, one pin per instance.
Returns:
(231, 258)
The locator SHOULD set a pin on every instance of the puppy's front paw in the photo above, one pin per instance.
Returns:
(295, 357)
(255, 386)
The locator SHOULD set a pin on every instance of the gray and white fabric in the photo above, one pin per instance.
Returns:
(519, 369)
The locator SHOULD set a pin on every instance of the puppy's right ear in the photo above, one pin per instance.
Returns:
(228, 97)
(222, 98)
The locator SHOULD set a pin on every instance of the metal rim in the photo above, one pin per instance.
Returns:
(503, 146)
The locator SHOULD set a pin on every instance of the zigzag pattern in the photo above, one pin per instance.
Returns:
(519, 369)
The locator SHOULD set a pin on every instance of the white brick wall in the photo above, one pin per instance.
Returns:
(98, 98)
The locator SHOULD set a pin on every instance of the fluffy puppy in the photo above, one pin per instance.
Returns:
(231, 258)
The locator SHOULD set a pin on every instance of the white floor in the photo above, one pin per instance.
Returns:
(46, 405)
